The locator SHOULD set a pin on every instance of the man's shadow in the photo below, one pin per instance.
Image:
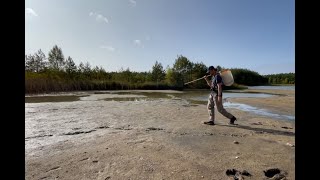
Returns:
(261, 130)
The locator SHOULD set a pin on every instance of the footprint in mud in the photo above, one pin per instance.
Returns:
(154, 129)
(275, 174)
(39, 136)
(79, 132)
(70, 108)
(284, 127)
(54, 168)
(102, 127)
(84, 159)
(189, 105)
(256, 123)
(237, 175)
(123, 128)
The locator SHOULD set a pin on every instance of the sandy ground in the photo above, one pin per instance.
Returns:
(164, 139)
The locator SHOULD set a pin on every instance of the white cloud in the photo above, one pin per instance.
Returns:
(137, 42)
(133, 2)
(99, 17)
(109, 48)
(31, 12)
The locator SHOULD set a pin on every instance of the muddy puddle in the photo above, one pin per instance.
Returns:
(190, 98)
(41, 99)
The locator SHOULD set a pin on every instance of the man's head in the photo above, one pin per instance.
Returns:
(212, 70)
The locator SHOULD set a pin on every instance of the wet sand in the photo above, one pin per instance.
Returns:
(163, 139)
(284, 104)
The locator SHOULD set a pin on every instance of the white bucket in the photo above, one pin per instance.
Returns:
(227, 77)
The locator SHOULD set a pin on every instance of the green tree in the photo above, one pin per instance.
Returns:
(170, 76)
(157, 73)
(29, 63)
(248, 77)
(103, 74)
(87, 68)
(219, 68)
(70, 66)
(56, 58)
(198, 71)
(36, 62)
(182, 64)
(81, 67)
(183, 67)
(95, 73)
(173, 78)
(282, 78)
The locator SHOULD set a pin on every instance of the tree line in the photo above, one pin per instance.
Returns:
(56, 73)
(282, 78)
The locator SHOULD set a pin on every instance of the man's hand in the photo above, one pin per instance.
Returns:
(206, 77)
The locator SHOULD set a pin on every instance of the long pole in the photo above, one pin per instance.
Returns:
(193, 81)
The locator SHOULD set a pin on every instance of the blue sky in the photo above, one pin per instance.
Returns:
(255, 34)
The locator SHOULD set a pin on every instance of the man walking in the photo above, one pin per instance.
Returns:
(215, 97)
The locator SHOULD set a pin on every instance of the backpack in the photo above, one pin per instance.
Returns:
(227, 78)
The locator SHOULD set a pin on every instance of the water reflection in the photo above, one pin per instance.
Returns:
(273, 87)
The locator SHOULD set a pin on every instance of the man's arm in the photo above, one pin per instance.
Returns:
(219, 89)
(219, 92)
(219, 84)
(208, 81)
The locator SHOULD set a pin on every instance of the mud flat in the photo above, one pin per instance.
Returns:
(95, 138)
